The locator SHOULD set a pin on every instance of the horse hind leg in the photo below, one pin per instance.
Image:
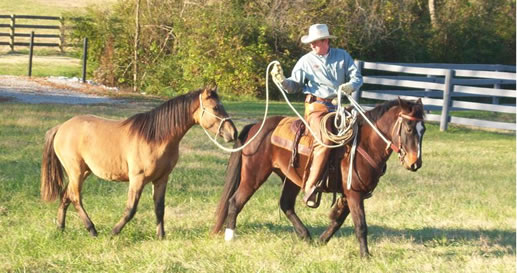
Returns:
(136, 185)
(337, 216)
(73, 195)
(287, 203)
(248, 186)
(61, 213)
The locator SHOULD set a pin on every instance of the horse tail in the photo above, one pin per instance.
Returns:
(232, 180)
(51, 169)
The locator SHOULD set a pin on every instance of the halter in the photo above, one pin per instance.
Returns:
(203, 111)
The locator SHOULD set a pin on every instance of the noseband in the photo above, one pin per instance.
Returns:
(397, 128)
(204, 110)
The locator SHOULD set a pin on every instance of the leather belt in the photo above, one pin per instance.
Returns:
(311, 98)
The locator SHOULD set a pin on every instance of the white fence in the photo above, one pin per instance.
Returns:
(444, 87)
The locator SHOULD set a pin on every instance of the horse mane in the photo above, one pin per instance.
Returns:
(379, 110)
(159, 123)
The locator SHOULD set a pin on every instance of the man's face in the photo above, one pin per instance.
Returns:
(320, 47)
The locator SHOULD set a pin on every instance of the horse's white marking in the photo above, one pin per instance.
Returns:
(420, 132)
(419, 129)
(229, 234)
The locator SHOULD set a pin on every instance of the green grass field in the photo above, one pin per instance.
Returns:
(456, 214)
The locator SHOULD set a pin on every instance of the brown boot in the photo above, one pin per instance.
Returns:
(320, 157)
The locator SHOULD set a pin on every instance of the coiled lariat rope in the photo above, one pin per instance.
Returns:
(343, 121)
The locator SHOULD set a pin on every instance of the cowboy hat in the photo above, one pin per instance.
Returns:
(317, 32)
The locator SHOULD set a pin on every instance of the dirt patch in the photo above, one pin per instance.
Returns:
(40, 90)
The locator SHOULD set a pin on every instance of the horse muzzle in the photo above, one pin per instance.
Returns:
(411, 162)
(228, 131)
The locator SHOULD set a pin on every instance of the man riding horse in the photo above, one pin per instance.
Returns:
(320, 74)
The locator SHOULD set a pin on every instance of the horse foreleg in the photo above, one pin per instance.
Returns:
(356, 205)
(136, 184)
(337, 216)
(159, 204)
(287, 202)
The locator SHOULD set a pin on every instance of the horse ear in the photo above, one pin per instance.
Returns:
(206, 92)
(419, 101)
(403, 104)
(209, 88)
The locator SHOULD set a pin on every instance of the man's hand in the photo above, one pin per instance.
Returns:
(278, 74)
(346, 88)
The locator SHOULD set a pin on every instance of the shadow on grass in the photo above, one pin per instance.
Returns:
(425, 236)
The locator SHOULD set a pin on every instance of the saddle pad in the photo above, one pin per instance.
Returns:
(284, 135)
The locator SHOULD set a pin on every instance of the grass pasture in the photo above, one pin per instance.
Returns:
(456, 214)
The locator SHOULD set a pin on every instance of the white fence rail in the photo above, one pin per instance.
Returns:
(444, 87)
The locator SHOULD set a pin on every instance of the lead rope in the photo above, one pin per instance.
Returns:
(351, 166)
(231, 150)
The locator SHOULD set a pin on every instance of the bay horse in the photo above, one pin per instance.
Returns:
(400, 121)
(141, 149)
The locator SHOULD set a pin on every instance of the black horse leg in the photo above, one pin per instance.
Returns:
(159, 188)
(356, 205)
(287, 202)
(337, 216)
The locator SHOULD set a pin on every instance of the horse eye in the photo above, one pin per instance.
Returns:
(409, 129)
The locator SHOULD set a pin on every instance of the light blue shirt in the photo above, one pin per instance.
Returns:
(322, 75)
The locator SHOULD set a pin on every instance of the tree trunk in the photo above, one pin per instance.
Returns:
(432, 13)
(137, 37)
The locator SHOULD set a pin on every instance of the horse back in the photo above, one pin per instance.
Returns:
(102, 146)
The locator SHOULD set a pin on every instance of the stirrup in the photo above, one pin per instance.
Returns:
(312, 198)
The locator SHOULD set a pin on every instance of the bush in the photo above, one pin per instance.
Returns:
(185, 45)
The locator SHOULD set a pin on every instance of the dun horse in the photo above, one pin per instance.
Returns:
(399, 121)
(141, 149)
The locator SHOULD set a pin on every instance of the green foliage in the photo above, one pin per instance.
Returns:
(184, 45)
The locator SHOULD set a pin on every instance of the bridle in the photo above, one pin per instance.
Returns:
(221, 120)
(396, 131)
(400, 150)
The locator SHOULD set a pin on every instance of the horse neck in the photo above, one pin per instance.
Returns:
(372, 143)
(181, 127)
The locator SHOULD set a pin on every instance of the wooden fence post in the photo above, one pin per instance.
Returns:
(61, 34)
(12, 31)
(357, 94)
(447, 92)
(85, 58)
(31, 46)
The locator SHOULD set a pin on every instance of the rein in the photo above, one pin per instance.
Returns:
(389, 145)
